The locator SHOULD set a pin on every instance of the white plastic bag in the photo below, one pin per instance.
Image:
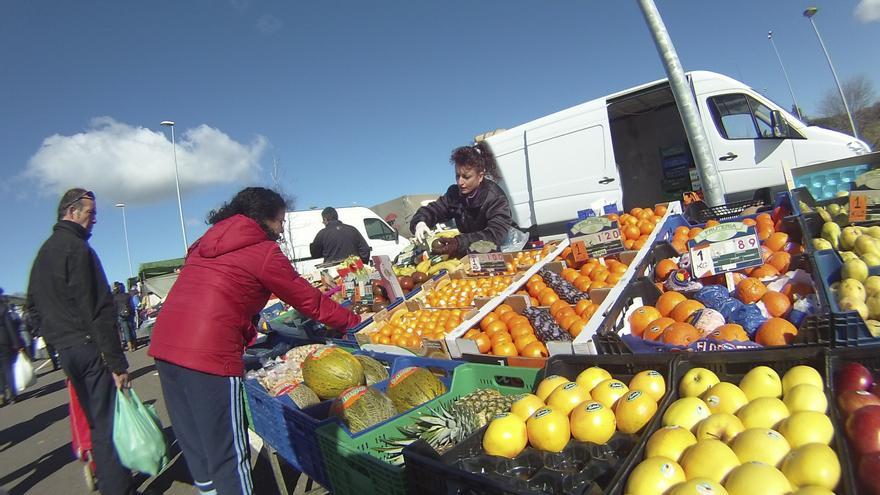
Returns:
(23, 373)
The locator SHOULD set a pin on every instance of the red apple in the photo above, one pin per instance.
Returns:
(853, 376)
(853, 400)
(869, 473)
(863, 430)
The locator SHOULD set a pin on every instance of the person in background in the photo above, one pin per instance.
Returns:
(125, 316)
(477, 204)
(34, 330)
(69, 300)
(136, 302)
(10, 345)
(207, 320)
(337, 241)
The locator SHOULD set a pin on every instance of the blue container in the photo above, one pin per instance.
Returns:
(848, 327)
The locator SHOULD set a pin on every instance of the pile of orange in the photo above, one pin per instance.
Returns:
(594, 275)
(504, 332)
(460, 293)
(668, 321)
(538, 292)
(776, 248)
(408, 328)
(573, 319)
(637, 225)
(529, 258)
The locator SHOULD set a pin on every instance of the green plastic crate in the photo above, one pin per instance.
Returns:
(355, 468)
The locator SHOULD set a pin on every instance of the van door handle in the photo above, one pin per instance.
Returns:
(606, 180)
(729, 156)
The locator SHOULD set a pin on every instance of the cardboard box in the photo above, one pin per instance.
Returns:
(429, 348)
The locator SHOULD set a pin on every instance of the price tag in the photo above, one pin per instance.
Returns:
(487, 262)
(725, 248)
(598, 237)
(864, 206)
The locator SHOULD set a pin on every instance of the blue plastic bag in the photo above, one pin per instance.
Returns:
(137, 435)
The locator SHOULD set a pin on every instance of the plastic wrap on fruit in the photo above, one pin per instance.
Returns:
(750, 318)
(803, 308)
(680, 281)
(728, 307)
(712, 296)
(706, 320)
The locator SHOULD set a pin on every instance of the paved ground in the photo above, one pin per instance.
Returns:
(35, 448)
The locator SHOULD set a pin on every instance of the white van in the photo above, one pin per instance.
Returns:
(631, 148)
(301, 227)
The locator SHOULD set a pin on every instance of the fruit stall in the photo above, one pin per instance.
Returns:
(654, 351)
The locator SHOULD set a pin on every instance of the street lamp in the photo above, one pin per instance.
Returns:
(809, 13)
(797, 108)
(170, 123)
(125, 230)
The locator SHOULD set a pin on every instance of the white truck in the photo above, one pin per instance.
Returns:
(631, 148)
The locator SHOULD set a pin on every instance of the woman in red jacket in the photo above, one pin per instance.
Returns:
(206, 322)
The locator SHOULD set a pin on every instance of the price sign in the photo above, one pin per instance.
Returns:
(864, 206)
(724, 248)
(487, 262)
(596, 237)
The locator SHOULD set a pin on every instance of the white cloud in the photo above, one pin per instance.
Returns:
(268, 24)
(868, 10)
(121, 162)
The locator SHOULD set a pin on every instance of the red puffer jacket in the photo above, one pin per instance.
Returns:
(228, 276)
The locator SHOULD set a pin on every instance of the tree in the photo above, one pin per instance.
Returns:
(859, 92)
(287, 235)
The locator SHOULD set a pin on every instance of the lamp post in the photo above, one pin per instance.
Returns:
(797, 108)
(809, 13)
(170, 123)
(125, 231)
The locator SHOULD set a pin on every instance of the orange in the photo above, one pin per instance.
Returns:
(683, 310)
(639, 243)
(548, 298)
(750, 290)
(749, 221)
(618, 268)
(680, 247)
(521, 342)
(668, 301)
(505, 349)
(495, 327)
(764, 218)
(471, 334)
(557, 306)
(776, 331)
(582, 306)
(797, 289)
(635, 211)
(682, 231)
(693, 232)
(535, 349)
(582, 283)
(729, 332)
(764, 232)
(568, 321)
(520, 330)
(569, 274)
(613, 279)
(632, 232)
(655, 329)
(780, 260)
(569, 311)
(503, 308)
(506, 317)
(500, 337)
(588, 313)
(599, 274)
(487, 320)
(777, 303)
(536, 278)
(588, 268)
(641, 318)
(764, 271)
(598, 285)
(534, 301)
(628, 244)
(712, 223)
(577, 327)
(664, 268)
(680, 334)
(645, 227)
(484, 343)
(660, 210)
(776, 241)
(518, 319)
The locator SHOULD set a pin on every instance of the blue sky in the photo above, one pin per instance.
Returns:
(359, 102)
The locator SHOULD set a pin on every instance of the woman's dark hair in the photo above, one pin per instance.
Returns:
(257, 203)
(478, 156)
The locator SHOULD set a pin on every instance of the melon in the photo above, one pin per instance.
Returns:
(362, 407)
(412, 387)
(300, 394)
(374, 372)
(330, 370)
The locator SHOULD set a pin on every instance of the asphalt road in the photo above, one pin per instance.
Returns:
(35, 440)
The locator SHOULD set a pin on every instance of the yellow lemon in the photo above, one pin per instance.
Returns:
(591, 377)
(526, 406)
(593, 422)
(548, 385)
(649, 382)
(548, 430)
(634, 411)
(608, 391)
(567, 396)
(505, 436)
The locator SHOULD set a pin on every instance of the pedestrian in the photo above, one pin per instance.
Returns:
(207, 320)
(34, 330)
(477, 204)
(136, 303)
(125, 316)
(10, 346)
(70, 301)
(337, 241)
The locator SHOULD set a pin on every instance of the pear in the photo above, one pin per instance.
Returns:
(848, 255)
(873, 327)
(855, 269)
(841, 218)
(872, 285)
(820, 244)
(842, 194)
(833, 209)
(871, 259)
(852, 289)
(873, 231)
(866, 244)
(848, 238)
(851, 304)
(824, 215)
(831, 233)
(873, 304)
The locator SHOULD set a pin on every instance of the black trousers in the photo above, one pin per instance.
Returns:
(7, 377)
(207, 414)
(96, 391)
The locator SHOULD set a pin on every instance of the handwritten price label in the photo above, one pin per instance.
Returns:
(725, 248)
(487, 262)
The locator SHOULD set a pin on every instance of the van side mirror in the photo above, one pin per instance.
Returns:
(777, 122)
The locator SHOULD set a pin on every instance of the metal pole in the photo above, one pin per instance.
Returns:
(177, 186)
(127, 248)
(809, 13)
(713, 188)
(797, 108)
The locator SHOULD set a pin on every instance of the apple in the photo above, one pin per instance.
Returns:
(764, 412)
(863, 430)
(761, 445)
(852, 376)
(853, 400)
(869, 466)
(801, 375)
(669, 441)
(696, 381)
(805, 427)
(724, 397)
(698, 486)
(721, 426)
(814, 464)
(654, 475)
(709, 458)
(756, 477)
(812, 490)
(686, 412)
(761, 381)
(805, 397)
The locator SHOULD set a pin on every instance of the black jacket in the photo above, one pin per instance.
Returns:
(485, 216)
(10, 340)
(338, 241)
(69, 298)
(124, 306)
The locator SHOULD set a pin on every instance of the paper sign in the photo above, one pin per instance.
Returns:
(597, 236)
(864, 206)
(387, 277)
(724, 248)
(487, 262)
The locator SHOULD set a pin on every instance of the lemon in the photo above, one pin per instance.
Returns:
(591, 377)
(634, 411)
(548, 385)
(526, 406)
(649, 382)
(670, 441)
(608, 391)
(505, 436)
(548, 430)
(653, 476)
(593, 422)
(567, 396)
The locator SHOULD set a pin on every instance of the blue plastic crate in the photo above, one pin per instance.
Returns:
(848, 327)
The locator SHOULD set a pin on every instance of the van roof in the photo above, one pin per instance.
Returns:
(318, 210)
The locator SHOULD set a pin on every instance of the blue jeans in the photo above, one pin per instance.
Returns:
(127, 332)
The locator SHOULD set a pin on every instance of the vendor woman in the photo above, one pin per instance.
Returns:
(476, 203)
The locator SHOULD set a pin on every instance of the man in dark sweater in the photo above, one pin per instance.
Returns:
(337, 241)
(70, 300)
(10, 345)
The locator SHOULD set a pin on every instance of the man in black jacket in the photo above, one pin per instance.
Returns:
(10, 345)
(337, 241)
(125, 316)
(70, 300)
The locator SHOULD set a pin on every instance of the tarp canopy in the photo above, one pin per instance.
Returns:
(402, 209)
(157, 268)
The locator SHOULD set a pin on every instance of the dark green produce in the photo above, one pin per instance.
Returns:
(562, 287)
(546, 328)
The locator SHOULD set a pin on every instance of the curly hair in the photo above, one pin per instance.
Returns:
(478, 156)
(257, 203)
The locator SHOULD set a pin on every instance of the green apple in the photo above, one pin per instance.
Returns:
(763, 412)
(805, 427)
(761, 381)
(721, 426)
(761, 445)
(669, 441)
(686, 412)
(709, 458)
(848, 238)
(696, 381)
(653, 476)
(725, 397)
(756, 477)
(814, 464)
(852, 304)
(851, 288)
(591, 377)
(698, 486)
(801, 374)
(805, 397)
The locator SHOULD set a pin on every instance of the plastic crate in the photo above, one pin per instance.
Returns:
(847, 327)
(430, 473)
(731, 367)
(354, 464)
